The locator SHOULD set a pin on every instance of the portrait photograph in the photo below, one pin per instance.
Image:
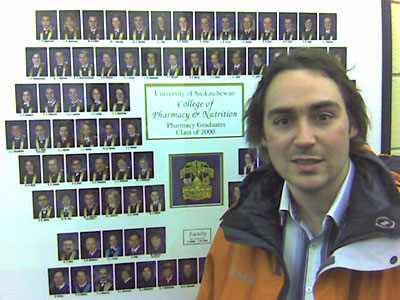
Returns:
(99, 167)
(195, 179)
(133, 200)
(205, 26)
(36, 62)
(46, 25)
(156, 240)
(129, 62)
(183, 25)
(91, 245)
(167, 273)
(66, 203)
(76, 167)
(226, 26)
(237, 61)
(43, 204)
(151, 62)
(275, 52)
(86, 131)
(155, 198)
(26, 98)
(267, 26)
(139, 25)
(63, 133)
(121, 166)
(83, 58)
(247, 160)
(60, 62)
(124, 276)
(96, 97)
(116, 25)
(50, 98)
(161, 25)
(74, 97)
(81, 279)
(119, 97)
(134, 242)
(234, 192)
(93, 25)
(288, 26)
(146, 274)
(40, 135)
(215, 61)
(247, 26)
(68, 246)
(17, 135)
(202, 261)
(131, 132)
(89, 203)
(53, 169)
(257, 61)
(70, 25)
(109, 132)
(340, 54)
(111, 201)
(173, 62)
(327, 27)
(187, 271)
(308, 27)
(143, 165)
(112, 243)
(103, 278)
(58, 281)
(106, 61)
(194, 62)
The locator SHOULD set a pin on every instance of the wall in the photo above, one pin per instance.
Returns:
(395, 145)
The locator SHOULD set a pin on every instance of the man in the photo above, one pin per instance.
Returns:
(95, 31)
(168, 277)
(124, 172)
(104, 284)
(82, 285)
(48, 32)
(18, 140)
(217, 68)
(327, 33)
(108, 68)
(38, 68)
(258, 64)
(156, 204)
(129, 67)
(27, 105)
(308, 34)
(51, 104)
(46, 210)
(59, 285)
(42, 140)
(237, 68)
(55, 174)
(125, 281)
(62, 67)
(116, 31)
(196, 68)
(228, 32)
(132, 137)
(145, 172)
(249, 163)
(140, 32)
(135, 203)
(114, 250)
(247, 29)
(100, 172)
(269, 33)
(135, 246)
(86, 68)
(110, 139)
(64, 140)
(75, 104)
(188, 276)
(78, 173)
(69, 251)
(151, 69)
(206, 33)
(320, 219)
(91, 208)
(91, 248)
(289, 33)
(174, 69)
(184, 32)
(161, 30)
(67, 210)
(146, 277)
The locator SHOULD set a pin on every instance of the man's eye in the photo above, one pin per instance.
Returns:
(324, 116)
(282, 121)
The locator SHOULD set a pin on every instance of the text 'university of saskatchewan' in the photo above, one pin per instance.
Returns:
(193, 93)
(186, 116)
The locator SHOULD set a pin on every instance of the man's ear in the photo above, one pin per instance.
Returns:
(353, 131)
(264, 142)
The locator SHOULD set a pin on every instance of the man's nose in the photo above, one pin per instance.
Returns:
(305, 136)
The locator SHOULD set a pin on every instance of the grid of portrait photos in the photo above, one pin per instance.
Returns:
(79, 133)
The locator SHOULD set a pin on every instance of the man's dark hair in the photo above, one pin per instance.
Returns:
(314, 60)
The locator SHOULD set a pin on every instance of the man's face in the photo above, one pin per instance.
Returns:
(236, 58)
(66, 201)
(194, 58)
(188, 270)
(99, 164)
(173, 60)
(133, 198)
(16, 130)
(103, 274)
(160, 22)
(26, 96)
(146, 274)
(257, 59)
(214, 59)
(308, 24)
(68, 246)
(225, 23)
(134, 241)
(91, 244)
(151, 59)
(154, 196)
(58, 278)
(76, 165)
(106, 59)
(43, 201)
(267, 23)
(124, 275)
(183, 23)
(129, 59)
(327, 23)
(116, 22)
(155, 241)
(92, 22)
(53, 165)
(83, 59)
(81, 277)
(109, 130)
(73, 94)
(247, 158)
(167, 272)
(236, 193)
(89, 199)
(307, 131)
(49, 93)
(36, 59)
(143, 163)
(40, 131)
(112, 199)
(288, 24)
(121, 163)
(60, 57)
(205, 24)
(138, 21)
(96, 95)
(131, 129)
(113, 241)
(246, 23)
(63, 132)
(85, 129)
(119, 94)
(46, 22)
